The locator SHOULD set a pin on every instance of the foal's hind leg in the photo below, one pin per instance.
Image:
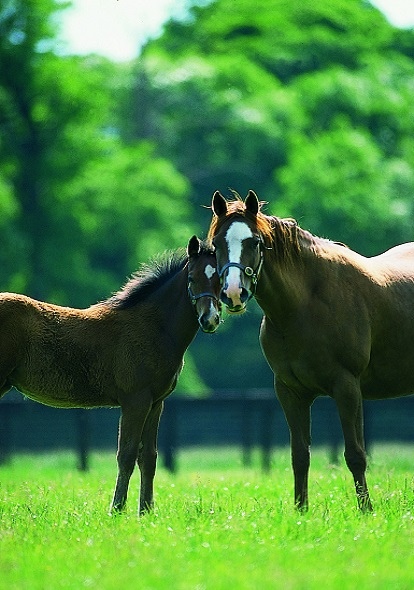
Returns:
(349, 401)
(147, 458)
(130, 430)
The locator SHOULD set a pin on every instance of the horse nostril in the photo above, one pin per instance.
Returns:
(226, 300)
(244, 296)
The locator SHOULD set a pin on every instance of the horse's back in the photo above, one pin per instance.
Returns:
(14, 310)
(402, 252)
(39, 348)
(396, 263)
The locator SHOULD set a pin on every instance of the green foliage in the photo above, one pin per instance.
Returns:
(78, 198)
(310, 104)
(339, 167)
(126, 204)
(285, 38)
(229, 102)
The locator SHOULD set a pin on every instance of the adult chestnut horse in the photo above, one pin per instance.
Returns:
(126, 351)
(336, 323)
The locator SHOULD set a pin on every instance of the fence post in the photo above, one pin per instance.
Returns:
(82, 419)
(246, 432)
(5, 432)
(367, 417)
(170, 440)
(266, 434)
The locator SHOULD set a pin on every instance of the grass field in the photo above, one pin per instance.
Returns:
(216, 526)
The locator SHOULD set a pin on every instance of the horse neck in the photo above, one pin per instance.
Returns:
(287, 282)
(283, 284)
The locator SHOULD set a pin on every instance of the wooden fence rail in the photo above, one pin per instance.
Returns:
(247, 420)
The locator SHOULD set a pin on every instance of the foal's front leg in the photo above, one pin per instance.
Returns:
(147, 458)
(130, 431)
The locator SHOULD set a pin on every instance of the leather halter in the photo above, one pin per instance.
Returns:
(194, 298)
(253, 275)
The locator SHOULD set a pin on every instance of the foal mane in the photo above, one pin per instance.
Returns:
(148, 279)
(279, 234)
(151, 276)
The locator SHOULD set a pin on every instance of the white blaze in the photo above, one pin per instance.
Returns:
(209, 271)
(237, 232)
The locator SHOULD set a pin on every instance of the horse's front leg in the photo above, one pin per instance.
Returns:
(147, 458)
(131, 425)
(349, 401)
(297, 412)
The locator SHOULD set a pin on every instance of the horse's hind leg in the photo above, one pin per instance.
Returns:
(349, 402)
(130, 431)
(147, 458)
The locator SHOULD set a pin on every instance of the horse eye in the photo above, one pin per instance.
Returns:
(254, 242)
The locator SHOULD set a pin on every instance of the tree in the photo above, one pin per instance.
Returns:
(69, 185)
(248, 92)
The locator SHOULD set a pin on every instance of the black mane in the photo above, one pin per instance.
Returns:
(148, 279)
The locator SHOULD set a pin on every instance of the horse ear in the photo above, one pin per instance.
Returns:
(219, 204)
(252, 203)
(193, 248)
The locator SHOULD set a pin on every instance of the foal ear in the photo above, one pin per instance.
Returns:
(252, 203)
(219, 204)
(193, 248)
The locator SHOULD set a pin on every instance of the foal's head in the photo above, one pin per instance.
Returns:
(237, 233)
(204, 284)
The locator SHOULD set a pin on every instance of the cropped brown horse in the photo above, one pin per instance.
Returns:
(126, 351)
(336, 323)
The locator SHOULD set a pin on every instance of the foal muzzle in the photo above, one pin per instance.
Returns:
(209, 322)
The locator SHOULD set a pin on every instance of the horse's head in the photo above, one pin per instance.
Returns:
(239, 248)
(204, 284)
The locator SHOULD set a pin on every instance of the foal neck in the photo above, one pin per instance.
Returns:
(173, 304)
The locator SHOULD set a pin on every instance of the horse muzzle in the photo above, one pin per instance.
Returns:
(235, 303)
(209, 322)
(237, 291)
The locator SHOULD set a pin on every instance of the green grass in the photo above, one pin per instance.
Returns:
(216, 526)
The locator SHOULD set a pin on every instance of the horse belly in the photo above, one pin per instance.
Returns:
(391, 378)
(59, 383)
(390, 369)
(65, 396)
(389, 387)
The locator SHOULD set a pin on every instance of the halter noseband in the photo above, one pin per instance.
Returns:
(194, 298)
(247, 270)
